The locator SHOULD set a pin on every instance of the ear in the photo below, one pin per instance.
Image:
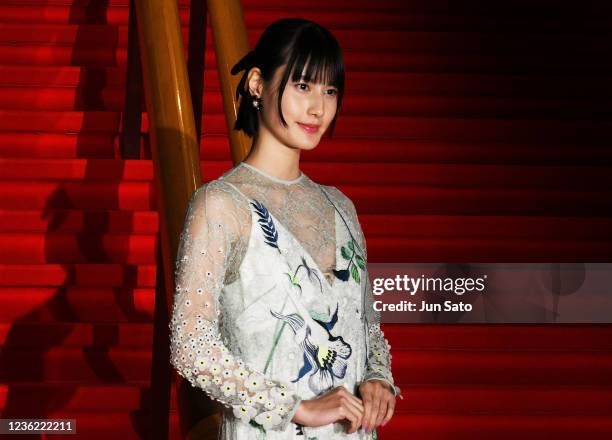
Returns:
(254, 83)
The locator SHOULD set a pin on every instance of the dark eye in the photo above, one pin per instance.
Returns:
(334, 92)
(301, 84)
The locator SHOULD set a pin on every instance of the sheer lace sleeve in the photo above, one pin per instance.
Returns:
(197, 350)
(379, 353)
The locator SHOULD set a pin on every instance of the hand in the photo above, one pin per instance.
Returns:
(379, 403)
(337, 404)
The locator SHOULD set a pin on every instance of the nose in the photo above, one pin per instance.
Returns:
(317, 105)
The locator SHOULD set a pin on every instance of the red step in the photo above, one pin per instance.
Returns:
(535, 337)
(135, 222)
(84, 275)
(499, 367)
(96, 305)
(41, 335)
(71, 248)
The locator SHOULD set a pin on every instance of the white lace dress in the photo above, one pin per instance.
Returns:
(273, 302)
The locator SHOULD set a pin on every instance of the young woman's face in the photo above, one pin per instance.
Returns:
(308, 109)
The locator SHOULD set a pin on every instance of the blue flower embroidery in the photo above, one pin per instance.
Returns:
(325, 355)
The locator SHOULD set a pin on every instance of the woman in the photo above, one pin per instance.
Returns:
(272, 311)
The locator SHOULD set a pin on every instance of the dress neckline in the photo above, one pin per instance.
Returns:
(329, 284)
(306, 253)
(274, 179)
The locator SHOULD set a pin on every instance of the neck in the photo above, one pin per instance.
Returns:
(273, 157)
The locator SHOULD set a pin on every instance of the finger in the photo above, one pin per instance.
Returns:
(355, 400)
(348, 408)
(352, 408)
(353, 404)
(375, 404)
(390, 411)
(344, 392)
(382, 410)
(350, 417)
(367, 405)
(347, 416)
(352, 414)
(357, 412)
(352, 400)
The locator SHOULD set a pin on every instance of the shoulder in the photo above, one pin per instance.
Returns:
(214, 194)
(217, 200)
(347, 205)
(341, 199)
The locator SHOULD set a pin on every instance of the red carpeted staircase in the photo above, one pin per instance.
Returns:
(471, 131)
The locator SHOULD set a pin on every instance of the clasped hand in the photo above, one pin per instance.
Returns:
(374, 408)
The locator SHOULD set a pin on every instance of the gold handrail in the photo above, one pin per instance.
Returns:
(174, 147)
(176, 163)
(175, 153)
(231, 44)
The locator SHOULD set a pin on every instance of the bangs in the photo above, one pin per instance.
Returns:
(323, 66)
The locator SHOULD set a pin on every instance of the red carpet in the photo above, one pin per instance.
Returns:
(470, 132)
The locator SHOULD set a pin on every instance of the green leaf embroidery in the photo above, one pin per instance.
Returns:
(352, 267)
(355, 274)
(345, 253)
(323, 317)
(257, 425)
(292, 279)
(360, 261)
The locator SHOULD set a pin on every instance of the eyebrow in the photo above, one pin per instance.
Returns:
(303, 78)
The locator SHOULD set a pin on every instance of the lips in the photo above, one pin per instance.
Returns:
(309, 128)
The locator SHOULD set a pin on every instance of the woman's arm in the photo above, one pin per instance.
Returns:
(197, 351)
(379, 354)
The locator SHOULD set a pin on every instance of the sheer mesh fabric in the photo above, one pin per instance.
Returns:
(212, 245)
(298, 204)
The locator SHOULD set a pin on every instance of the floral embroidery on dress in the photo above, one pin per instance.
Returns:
(355, 262)
(294, 278)
(324, 354)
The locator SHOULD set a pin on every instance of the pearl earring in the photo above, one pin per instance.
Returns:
(258, 103)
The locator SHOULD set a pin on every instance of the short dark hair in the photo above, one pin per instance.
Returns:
(294, 42)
